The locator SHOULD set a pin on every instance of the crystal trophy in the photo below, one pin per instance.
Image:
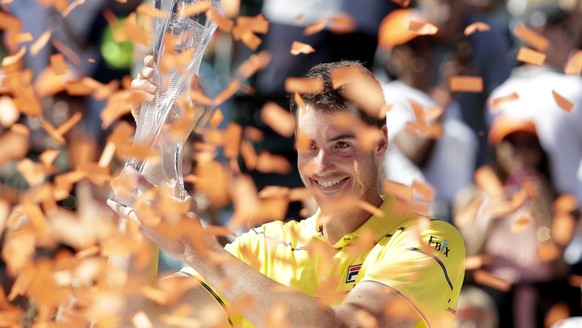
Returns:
(179, 42)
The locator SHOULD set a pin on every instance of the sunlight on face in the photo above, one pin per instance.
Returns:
(338, 157)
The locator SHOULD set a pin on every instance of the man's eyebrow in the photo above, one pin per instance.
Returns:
(342, 136)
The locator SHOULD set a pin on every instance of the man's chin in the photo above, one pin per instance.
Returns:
(337, 201)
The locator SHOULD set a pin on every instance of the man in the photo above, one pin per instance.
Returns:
(342, 267)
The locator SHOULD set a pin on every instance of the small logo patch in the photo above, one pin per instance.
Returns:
(353, 271)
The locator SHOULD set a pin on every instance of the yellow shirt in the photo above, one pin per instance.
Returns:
(419, 260)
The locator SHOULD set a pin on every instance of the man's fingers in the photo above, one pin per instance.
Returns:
(148, 60)
(122, 210)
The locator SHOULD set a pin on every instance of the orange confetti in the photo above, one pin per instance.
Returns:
(303, 85)
(232, 137)
(400, 191)
(301, 48)
(486, 278)
(151, 11)
(37, 46)
(476, 27)
(574, 64)
(564, 103)
(194, 9)
(65, 127)
(497, 102)
(521, 222)
(315, 27)
(61, 47)
(422, 28)
(244, 24)
(20, 37)
(58, 64)
(224, 24)
(370, 208)
(251, 40)
(466, 83)
(9, 22)
(48, 156)
(72, 6)
(402, 3)
(425, 189)
(228, 92)
(8, 112)
(269, 163)
(10, 60)
(253, 64)
(529, 56)
(32, 172)
(216, 118)
(278, 118)
(565, 203)
(531, 37)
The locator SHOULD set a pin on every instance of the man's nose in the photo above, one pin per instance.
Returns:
(322, 160)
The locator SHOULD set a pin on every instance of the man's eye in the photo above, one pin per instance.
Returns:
(342, 144)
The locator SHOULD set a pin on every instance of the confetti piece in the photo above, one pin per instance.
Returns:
(20, 38)
(9, 114)
(48, 156)
(246, 24)
(216, 118)
(574, 64)
(150, 11)
(40, 43)
(303, 85)
(71, 7)
(531, 37)
(194, 9)
(61, 47)
(228, 92)
(9, 22)
(522, 222)
(224, 24)
(251, 40)
(564, 103)
(466, 83)
(400, 191)
(563, 228)
(253, 64)
(32, 172)
(269, 163)
(301, 48)
(486, 278)
(476, 27)
(315, 27)
(425, 189)
(58, 64)
(370, 208)
(342, 23)
(10, 60)
(232, 137)
(548, 252)
(529, 56)
(65, 127)
(402, 3)
(279, 119)
(565, 203)
(422, 28)
(498, 102)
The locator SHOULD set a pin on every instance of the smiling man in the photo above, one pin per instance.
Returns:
(359, 260)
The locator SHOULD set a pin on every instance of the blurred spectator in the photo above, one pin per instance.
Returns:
(512, 228)
(558, 129)
(417, 154)
(482, 54)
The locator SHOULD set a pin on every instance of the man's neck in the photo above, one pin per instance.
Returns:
(339, 221)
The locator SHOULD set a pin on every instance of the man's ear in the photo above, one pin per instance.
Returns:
(382, 141)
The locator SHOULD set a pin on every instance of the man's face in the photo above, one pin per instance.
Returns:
(339, 156)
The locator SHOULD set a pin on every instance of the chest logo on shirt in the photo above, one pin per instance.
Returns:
(441, 246)
(353, 271)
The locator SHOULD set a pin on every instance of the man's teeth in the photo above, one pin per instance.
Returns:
(326, 184)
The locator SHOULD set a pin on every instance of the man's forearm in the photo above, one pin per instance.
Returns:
(302, 310)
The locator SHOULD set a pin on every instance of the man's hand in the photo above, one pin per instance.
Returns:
(142, 84)
(171, 223)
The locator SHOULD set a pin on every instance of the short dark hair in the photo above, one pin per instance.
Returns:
(331, 99)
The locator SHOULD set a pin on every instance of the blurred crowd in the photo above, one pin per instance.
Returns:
(485, 113)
